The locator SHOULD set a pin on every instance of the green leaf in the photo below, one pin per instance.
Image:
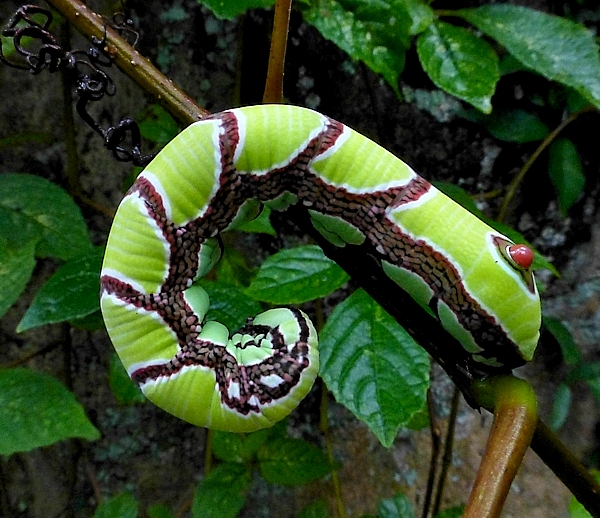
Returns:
(317, 509)
(560, 406)
(372, 366)
(460, 63)
(229, 304)
(229, 9)
(397, 507)
(157, 125)
(71, 293)
(296, 275)
(585, 371)
(566, 173)
(160, 511)
(570, 351)
(120, 506)
(240, 448)
(576, 510)
(590, 373)
(91, 322)
(25, 138)
(554, 47)
(451, 512)
(421, 15)
(420, 419)
(16, 267)
(376, 32)
(259, 225)
(594, 384)
(512, 125)
(509, 65)
(8, 44)
(38, 207)
(292, 462)
(121, 385)
(233, 268)
(37, 410)
(575, 101)
(222, 493)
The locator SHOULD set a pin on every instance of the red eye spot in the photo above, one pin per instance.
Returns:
(521, 255)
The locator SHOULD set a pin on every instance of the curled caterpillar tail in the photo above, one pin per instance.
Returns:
(240, 383)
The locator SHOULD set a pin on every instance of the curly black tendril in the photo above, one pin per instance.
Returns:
(29, 30)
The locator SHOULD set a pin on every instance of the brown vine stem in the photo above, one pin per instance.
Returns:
(518, 179)
(515, 421)
(131, 62)
(281, 23)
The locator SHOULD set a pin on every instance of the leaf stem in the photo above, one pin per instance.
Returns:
(281, 23)
(518, 179)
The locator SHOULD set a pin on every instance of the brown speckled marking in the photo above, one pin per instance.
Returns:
(366, 211)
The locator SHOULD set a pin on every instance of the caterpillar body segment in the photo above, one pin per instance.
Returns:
(473, 279)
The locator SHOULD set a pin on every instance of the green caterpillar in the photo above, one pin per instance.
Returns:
(473, 279)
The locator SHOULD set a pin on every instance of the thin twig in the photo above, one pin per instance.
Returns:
(4, 501)
(324, 426)
(27, 357)
(94, 483)
(131, 62)
(518, 179)
(490, 195)
(382, 136)
(448, 447)
(324, 421)
(281, 23)
(98, 207)
(187, 502)
(435, 453)
(567, 468)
